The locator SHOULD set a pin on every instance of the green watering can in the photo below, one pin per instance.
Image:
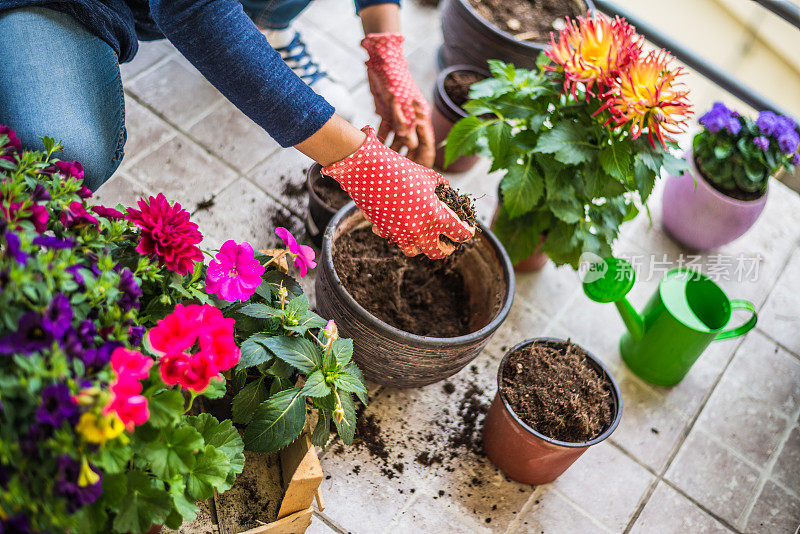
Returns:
(682, 318)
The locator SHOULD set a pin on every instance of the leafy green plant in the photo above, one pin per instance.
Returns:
(289, 355)
(569, 178)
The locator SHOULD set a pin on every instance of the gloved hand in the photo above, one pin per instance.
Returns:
(398, 100)
(398, 197)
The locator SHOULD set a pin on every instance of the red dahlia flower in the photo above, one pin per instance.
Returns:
(167, 233)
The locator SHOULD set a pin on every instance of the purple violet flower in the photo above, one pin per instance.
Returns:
(98, 357)
(135, 335)
(788, 142)
(53, 242)
(57, 406)
(734, 126)
(796, 159)
(131, 292)
(14, 248)
(717, 118)
(58, 316)
(15, 524)
(761, 142)
(40, 193)
(767, 122)
(30, 336)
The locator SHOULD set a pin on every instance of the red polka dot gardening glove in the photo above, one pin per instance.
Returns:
(398, 196)
(398, 100)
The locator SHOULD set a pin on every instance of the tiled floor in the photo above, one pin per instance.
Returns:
(719, 452)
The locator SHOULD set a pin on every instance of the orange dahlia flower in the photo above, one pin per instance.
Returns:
(648, 94)
(593, 51)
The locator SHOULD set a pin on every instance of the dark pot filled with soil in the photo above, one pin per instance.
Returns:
(554, 401)
(514, 31)
(413, 321)
(325, 198)
(452, 92)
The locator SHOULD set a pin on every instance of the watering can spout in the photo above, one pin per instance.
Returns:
(609, 280)
(633, 321)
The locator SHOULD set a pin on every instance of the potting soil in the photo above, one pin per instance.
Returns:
(329, 191)
(554, 389)
(528, 20)
(457, 85)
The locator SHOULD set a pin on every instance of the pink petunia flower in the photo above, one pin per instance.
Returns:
(70, 169)
(234, 274)
(38, 215)
(76, 215)
(303, 254)
(12, 144)
(167, 233)
(108, 213)
(132, 363)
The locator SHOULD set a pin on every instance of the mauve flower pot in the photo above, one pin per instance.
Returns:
(524, 454)
(319, 213)
(392, 357)
(445, 114)
(469, 39)
(700, 217)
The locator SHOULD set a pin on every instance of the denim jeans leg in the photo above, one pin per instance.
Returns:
(59, 80)
(274, 14)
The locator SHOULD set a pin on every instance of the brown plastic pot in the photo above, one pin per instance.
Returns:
(524, 454)
(469, 39)
(319, 213)
(445, 114)
(392, 357)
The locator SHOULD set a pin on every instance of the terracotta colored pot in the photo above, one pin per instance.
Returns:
(524, 454)
(319, 213)
(445, 114)
(534, 262)
(392, 357)
(700, 217)
(469, 39)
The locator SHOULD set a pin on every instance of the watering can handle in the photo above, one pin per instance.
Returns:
(744, 328)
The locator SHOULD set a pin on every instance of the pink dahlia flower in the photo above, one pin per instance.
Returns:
(234, 274)
(167, 233)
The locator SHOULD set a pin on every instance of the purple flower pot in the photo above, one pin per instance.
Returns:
(700, 217)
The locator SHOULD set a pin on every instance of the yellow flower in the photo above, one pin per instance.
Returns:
(87, 476)
(99, 429)
(648, 95)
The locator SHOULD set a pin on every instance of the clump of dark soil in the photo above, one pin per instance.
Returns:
(528, 20)
(329, 192)
(552, 387)
(457, 85)
(417, 295)
(462, 205)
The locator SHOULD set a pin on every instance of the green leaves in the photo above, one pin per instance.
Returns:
(296, 351)
(342, 351)
(568, 141)
(316, 386)
(276, 422)
(499, 136)
(463, 138)
(522, 187)
(209, 472)
(145, 504)
(616, 161)
(174, 452)
(165, 408)
(352, 383)
(248, 399)
(253, 351)
(260, 311)
(347, 426)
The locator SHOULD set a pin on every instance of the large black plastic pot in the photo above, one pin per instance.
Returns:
(319, 213)
(390, 356)
(445, 114)
(469, 39)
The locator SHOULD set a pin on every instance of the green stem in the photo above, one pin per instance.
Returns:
(193, 396)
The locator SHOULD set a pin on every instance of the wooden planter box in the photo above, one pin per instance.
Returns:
(301, 473)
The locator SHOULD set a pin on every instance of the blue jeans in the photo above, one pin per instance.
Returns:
(58, 79)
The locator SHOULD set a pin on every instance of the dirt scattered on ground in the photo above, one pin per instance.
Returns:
(206, 204)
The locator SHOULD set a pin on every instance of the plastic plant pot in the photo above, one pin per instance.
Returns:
(469, 39)
(319, 213)
(699, 217)
(445, 114)
(526, 455)
(392, 357)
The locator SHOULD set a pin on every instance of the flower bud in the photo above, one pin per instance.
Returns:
(331, 331)
(283, 293)
(338, 413)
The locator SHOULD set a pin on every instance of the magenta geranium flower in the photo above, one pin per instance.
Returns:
(303, 254)
(167, 233)
(234, 274)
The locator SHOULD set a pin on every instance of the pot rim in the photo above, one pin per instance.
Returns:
(533, 45)
(616, 394)
(442, 94)
(364, 315)
(316, 170)
(719, 194)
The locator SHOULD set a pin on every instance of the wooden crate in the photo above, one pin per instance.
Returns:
(302, 475)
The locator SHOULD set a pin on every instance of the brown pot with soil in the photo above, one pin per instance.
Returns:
(413, 321)
(554, 401)
(325, 198)
(514, 31)
(452, 92)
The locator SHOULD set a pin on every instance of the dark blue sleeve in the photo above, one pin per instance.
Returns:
(226, 47)
(361, 4)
